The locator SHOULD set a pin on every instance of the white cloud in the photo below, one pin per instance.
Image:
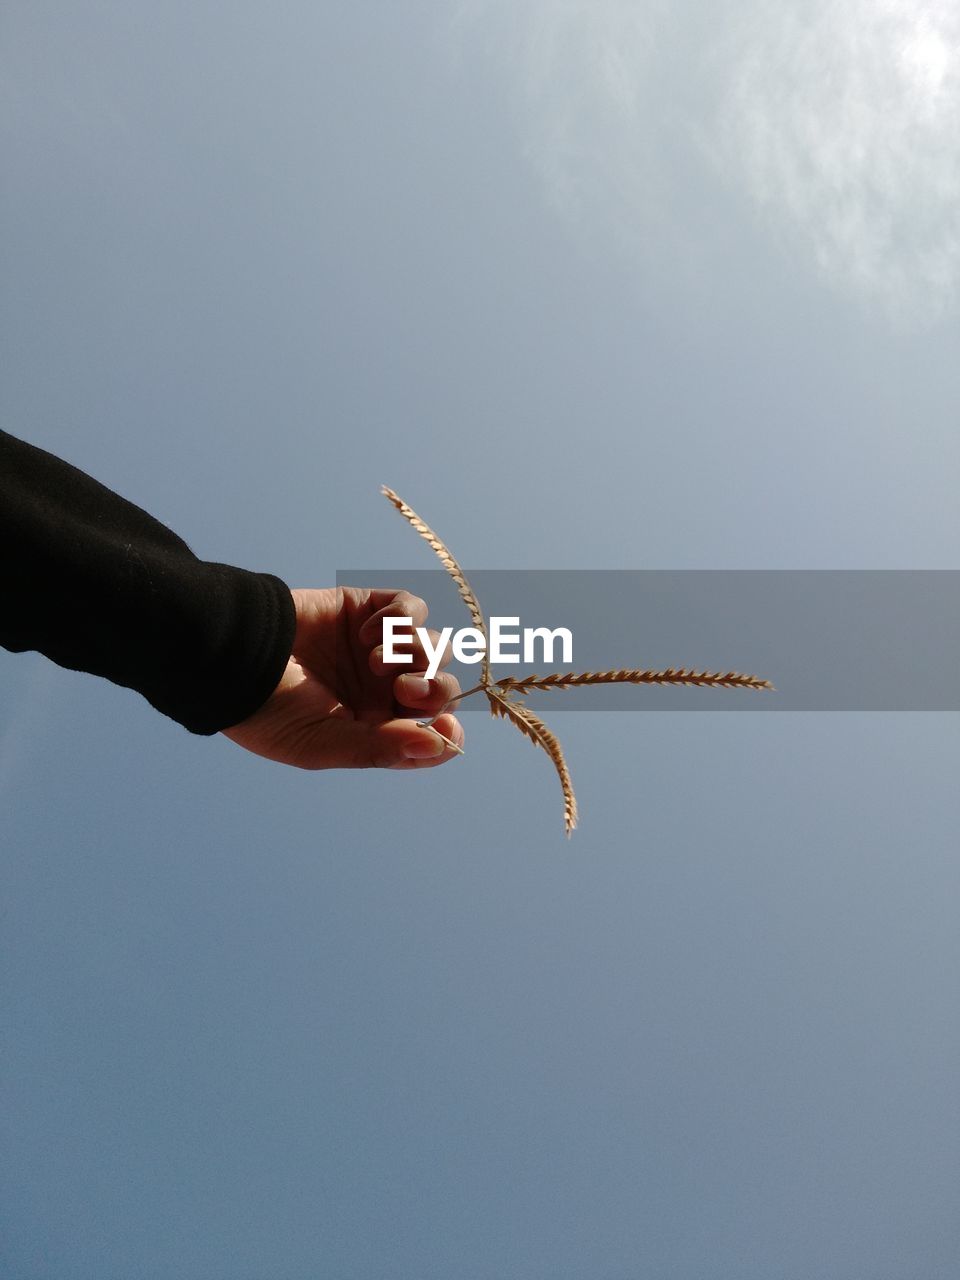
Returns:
(844, 121)
(838, 123)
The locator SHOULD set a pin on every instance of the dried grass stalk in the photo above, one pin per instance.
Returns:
(502, 694)
(532, 727)
(451, 566)
(669, 675)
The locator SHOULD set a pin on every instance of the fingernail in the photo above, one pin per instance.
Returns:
(424, 748)
(416, 686)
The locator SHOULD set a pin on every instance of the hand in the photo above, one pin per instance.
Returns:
(338, 705)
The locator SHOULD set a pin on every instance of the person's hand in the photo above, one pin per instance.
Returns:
(338, 705)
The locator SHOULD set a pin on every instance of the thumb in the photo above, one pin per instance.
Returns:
(392, 744)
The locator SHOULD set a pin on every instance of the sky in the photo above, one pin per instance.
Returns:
(597, 285)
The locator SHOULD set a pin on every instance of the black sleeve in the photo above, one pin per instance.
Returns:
(98, 585)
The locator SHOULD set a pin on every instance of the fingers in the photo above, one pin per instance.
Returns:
(413, 646)
(392, 744)
(423, 753)
(423, 649)
(423, 695)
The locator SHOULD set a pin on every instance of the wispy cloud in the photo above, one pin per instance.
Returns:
(578, 72)
(838, 125)
(844, 121)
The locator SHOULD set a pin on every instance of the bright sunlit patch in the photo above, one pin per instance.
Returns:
(841, 122)
(925, 59)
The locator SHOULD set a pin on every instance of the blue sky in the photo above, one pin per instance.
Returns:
(599, 285)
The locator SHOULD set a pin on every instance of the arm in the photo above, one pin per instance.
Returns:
(97, 584)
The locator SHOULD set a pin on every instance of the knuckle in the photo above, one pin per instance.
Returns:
(409, 605)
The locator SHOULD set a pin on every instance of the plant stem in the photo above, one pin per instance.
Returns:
(428, 724)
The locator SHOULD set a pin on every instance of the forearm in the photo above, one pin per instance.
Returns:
(97, 584)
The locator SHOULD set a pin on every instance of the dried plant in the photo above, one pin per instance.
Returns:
(454, 570)
(669, 675)
(532, 727)
(503, 694)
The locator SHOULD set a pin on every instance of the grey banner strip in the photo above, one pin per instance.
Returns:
(829, 640)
